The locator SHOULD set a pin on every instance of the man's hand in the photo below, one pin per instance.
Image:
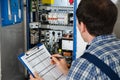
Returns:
(37, 77)
(61, 63)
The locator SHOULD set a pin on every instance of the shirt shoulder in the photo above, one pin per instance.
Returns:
(107, 49)
(82, 69)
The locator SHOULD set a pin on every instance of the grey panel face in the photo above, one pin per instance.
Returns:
(12, 45)
(117, 25)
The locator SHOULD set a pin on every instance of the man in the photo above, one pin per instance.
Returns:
(96, 19)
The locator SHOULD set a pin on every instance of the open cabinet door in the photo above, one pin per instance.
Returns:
(80, 44)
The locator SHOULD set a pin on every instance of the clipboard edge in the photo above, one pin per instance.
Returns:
(19, 58)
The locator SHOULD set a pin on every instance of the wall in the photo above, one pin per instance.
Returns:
(117, 26)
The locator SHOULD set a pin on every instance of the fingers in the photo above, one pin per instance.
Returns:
(31, 77)
(54, 60)
(58, 55)
(36, 75)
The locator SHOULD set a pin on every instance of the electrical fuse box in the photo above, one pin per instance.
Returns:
(52, 24)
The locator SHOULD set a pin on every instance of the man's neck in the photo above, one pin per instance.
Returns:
(90, 38)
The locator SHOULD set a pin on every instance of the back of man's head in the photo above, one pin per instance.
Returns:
(99, 16)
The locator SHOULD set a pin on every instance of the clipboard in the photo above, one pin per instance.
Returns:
(37, 59)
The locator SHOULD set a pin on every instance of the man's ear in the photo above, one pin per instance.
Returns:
(83, 27)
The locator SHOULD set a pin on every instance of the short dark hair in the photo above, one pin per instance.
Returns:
(99, 16)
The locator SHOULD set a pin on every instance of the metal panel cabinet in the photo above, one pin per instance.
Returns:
(11, 44)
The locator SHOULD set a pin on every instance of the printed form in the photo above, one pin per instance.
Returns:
(37, 59)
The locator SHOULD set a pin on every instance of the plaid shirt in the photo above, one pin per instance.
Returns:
(107, 49)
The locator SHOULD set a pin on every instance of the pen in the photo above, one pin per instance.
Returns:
(62, 57)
